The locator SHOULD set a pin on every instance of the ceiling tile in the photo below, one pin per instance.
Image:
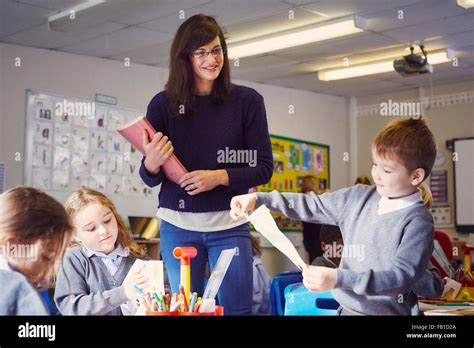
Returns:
(338, 8)
(58, 5)
(120, 41)
(434, 28)
(152, 55)
(226, 12)
(338, 49)
(417, 13)
(15, 17)
(274, 71)
(145, 34)
(51, 39)
(150, 10)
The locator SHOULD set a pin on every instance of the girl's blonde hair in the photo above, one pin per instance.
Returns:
(426, 195)
(79, 199)
(31, 215)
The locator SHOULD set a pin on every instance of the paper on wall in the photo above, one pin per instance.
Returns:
(264, 223)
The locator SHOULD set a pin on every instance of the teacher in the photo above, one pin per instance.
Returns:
(219, 132)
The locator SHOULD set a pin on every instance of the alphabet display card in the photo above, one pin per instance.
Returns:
(42, 155)
(62, 135)
(42, 178)
(62, 158)
(43, 132)
(61, 180)
(73, 143)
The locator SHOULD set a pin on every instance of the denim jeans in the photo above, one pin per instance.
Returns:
(235, 292)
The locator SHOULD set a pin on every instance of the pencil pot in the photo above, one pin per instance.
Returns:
(166, 314)
(218, 312)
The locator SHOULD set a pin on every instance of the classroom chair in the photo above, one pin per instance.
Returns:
(445, 242)
(277, 289)
(301, 301)
(48, 298)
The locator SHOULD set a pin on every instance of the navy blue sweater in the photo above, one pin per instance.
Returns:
(238, 124)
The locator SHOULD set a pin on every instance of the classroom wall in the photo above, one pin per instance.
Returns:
(69, 75)
(2, 114)
(446, 122)
(317, 117)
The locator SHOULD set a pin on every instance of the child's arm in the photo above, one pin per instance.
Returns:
(409, 263)
(326, 208)
(73, 296)
(430, 284)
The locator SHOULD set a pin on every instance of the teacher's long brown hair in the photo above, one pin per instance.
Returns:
(194, 33)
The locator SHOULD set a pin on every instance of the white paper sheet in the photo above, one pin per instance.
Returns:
(264, 223)
(154, 271)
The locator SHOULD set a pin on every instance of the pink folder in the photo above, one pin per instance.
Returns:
(133, 131)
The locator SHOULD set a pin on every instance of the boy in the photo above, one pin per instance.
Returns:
(386, 227)
(332, 246)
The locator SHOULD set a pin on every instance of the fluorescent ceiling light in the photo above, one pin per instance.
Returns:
(466, 3)
(378, 67)
(297, 37)
(93, 12)
(75, 9)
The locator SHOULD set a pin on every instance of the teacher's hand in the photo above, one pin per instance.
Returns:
(157, 151)
(203, 180)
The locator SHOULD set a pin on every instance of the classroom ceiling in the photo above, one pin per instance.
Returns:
(145, 32)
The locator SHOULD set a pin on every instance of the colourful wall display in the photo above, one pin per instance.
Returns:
(293, 159)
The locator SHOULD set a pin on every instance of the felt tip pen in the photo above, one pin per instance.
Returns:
(139, 292)
(185, 301)
(167, 300)
(198, 304)
(193, 301)
(155, 296)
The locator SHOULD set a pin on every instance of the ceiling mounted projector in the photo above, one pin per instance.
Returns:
(413, 64)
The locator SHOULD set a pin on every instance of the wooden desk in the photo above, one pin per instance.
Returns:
(152, 246)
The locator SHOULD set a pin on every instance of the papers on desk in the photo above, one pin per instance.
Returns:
(154, 272)
(264, 223)
(441, 258)
(448, 308)
(458, 311)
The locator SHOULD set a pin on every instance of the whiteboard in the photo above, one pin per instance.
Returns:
(464, 183)
(72, 143)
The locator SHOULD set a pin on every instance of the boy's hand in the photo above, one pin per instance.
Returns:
(241, 204)
(318, 279)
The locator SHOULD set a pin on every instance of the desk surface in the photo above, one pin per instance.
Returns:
(451, 309)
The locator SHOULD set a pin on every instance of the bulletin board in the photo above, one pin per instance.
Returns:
(293, 159)
(65, 151)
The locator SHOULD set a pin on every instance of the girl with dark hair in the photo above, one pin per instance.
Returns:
(34, 233)
(219, 132)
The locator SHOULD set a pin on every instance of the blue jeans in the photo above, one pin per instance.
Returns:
(236, 290)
